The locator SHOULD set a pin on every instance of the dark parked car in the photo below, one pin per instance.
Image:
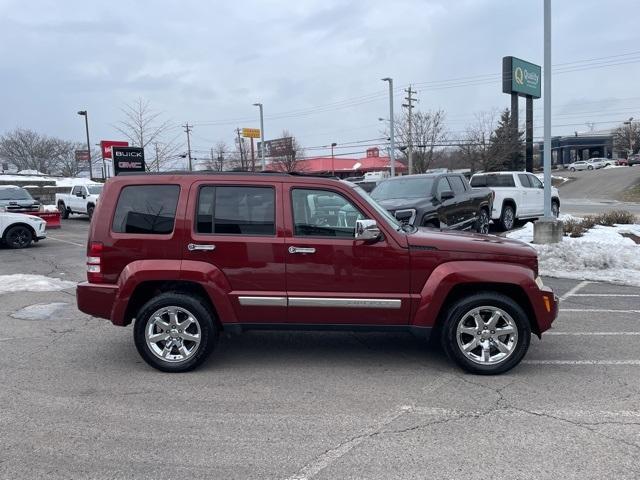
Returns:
(437, 200)
(633, 160)
(17, 200)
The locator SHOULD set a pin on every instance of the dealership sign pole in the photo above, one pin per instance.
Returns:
(522, 79)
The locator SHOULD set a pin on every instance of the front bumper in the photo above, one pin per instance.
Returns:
(545, 306)
(97, 300)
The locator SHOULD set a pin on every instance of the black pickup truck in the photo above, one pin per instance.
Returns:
(436, 200)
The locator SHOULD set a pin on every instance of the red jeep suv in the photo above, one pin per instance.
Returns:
(188, 256)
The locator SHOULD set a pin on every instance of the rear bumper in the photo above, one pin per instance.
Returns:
(97, 300)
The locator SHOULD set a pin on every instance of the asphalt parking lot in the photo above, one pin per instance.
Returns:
(78, 402)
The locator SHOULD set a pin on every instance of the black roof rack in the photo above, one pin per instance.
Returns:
(214, 172)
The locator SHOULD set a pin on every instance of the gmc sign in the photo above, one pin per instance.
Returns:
(127, 159)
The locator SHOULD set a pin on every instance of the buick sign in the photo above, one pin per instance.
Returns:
(127, 159)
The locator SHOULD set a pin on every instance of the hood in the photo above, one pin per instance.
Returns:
(402, 203)
(467, 242)
(22, 203)
(20, 217)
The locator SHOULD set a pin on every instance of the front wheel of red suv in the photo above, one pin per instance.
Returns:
(174, 332)
(486, 333)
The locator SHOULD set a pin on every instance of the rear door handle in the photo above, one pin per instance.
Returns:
(302, 250)
(193, 246)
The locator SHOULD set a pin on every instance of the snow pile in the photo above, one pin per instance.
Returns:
(553, 177)
(40, 311)
(602, 254)
(49, 208)
(60, 181)
(32, 283)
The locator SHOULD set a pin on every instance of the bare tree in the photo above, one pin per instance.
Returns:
(29, 150)
(218, 157)
(428, 132)
(143, 127)
(291, 161)
(626, 138)
(476, 142)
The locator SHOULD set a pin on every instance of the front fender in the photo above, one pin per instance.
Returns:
(448, 275)
(209, 277)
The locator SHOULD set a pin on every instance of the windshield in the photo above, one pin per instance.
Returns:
(403, 188)
(392, 222)
(94, 189)
(14, 194)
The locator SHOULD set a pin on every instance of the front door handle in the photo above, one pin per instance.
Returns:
(302, 250)
(193, 246)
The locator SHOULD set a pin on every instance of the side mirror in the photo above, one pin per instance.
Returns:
(447, 194)
(367, 230)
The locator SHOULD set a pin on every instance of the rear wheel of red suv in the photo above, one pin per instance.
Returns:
(174, 332)
(486, 333)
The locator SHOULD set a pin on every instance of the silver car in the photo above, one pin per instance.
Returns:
(580, 165)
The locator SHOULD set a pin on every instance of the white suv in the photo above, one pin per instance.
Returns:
(518, 196)
(18, 230)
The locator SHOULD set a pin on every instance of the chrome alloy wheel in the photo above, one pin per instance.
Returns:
(487, 335)
(508, 219)
(173, 334)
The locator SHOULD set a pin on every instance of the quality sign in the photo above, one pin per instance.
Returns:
(127, 159)
(521, 77)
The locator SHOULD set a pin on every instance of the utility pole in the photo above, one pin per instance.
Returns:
(409, 106)
(155, 144)
(392, 145)
(187, 129)
(242, 165)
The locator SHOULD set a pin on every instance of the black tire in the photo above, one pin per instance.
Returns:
(572, 169)
(482, 223)
(64, 212)
(590, 167)
(18, 236)
(198, 309)
(507, 218)
(458, 312)
(90, 210)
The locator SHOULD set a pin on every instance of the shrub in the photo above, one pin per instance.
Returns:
(620, 217)
(573, 227)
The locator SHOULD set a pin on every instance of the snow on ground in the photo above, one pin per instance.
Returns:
(49, 208)
(32, 283)
(602, 254)
(553, 177)
(40, 311)
(60, 181)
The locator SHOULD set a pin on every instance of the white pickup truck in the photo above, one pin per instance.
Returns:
(518, 196)
(80, 199)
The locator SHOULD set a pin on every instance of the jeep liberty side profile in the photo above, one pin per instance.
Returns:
(187, 256)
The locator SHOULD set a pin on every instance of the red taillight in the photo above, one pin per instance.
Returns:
(94, 272)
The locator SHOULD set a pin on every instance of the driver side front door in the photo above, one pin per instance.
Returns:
(333, 279)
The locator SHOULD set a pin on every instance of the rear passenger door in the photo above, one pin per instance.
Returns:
(234, 227)
(527, 206)
(537, 195)
(464, 209)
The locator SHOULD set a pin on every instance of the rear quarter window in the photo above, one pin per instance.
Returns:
(493, 180)
(146, 209)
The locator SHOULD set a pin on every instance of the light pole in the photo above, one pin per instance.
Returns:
(630, 131)
(263, 164)
(547, 110)
(333, 168)
(392, 149)
(83, 113)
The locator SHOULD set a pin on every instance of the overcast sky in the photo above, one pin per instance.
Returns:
(318, 61)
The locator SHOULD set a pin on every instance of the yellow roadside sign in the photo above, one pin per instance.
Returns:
(251, 132)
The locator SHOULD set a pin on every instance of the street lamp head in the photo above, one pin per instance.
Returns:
(82, 112)
(334, 144)
(257, 104)
(386, 79)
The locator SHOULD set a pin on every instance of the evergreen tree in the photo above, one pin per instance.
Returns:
(506, 145)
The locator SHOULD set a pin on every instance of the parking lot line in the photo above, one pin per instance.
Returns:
(581, 362)
(575, 289)
(65, 241)
(597, 310)
(595, 334)
(604, 295)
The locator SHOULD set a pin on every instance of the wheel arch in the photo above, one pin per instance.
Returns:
(21, 224)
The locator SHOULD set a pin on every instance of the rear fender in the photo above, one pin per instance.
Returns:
(209, 277)
(448, 275)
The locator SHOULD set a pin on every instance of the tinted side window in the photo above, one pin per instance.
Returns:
(479, 181)
(236, 210)
(443, 186)
(322, 213)
(500, 181)
(76, 190)
(146, 209)
(457, 185)
(524, 180)
(535, 181)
